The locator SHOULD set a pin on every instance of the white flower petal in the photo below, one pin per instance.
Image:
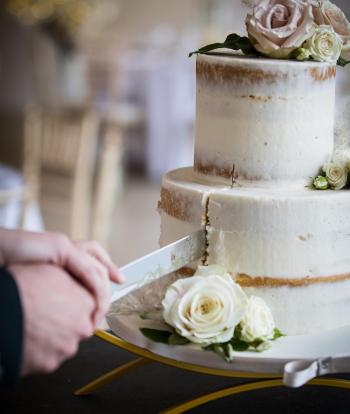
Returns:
(257, 322)
(205, 309)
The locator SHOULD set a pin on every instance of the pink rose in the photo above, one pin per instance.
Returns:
(328, 13)
(277, 27)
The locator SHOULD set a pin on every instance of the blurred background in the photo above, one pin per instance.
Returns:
(97, 102)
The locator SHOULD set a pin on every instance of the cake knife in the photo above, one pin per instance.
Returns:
(161, 262)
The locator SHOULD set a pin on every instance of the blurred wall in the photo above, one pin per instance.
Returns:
(134, 19)
(16, 71)
(30, 71)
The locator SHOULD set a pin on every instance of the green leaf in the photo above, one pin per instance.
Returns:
(217, 349)
(239, 345)
(238, 332)
(264, 346)
(207, 48)
(224, 350)
(156, 335)
(342, 62)
(164, 337)
(233, 41)
(176, 339)
(228, 349)
(277, 334)
(255, 344)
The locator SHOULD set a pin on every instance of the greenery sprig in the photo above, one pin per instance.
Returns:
(342, 62)
(225, 350)
(164, 337)
(334, 176)
(234, 42)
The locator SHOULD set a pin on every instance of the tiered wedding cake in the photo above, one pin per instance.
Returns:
(264, 127)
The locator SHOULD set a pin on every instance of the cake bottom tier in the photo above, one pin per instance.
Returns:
(303, 308)
(309, 309)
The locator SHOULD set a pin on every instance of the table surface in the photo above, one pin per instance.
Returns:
(153, 388)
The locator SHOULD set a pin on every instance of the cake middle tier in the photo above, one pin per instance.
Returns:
(279, 235)
(262, 119)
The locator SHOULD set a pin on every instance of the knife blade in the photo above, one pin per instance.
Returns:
(161, 262)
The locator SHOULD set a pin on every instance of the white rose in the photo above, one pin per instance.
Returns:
(325, 45)
(341, 156)
(328, 13)
(277, 27)
(204, 309)
(257, 322)
(337, 174)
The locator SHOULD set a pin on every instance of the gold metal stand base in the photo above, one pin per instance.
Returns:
(264, 380)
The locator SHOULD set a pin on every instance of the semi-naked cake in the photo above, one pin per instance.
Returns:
(264, 127)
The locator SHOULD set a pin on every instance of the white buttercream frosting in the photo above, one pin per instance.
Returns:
(270, 119)
(307, 309)
(264, 128)
(265, 232)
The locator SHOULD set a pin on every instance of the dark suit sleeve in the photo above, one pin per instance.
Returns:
(11, 330)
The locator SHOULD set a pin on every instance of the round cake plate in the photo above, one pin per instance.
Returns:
(298, 358)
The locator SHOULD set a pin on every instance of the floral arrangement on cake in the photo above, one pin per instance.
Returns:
(212, 310)
(293, 29)
(334, 175)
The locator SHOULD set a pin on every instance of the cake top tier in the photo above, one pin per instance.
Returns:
(263, 119)
(228, 67)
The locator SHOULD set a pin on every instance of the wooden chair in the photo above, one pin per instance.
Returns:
(15, 192)
(109, 177)
(63, 143)
(88, 152)
(109, 181)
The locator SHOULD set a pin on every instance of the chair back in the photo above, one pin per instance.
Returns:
(63, 142)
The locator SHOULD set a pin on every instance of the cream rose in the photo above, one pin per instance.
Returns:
(257, 322)
(342, 156)
(337, 174)
(328, 13)
(325, 45)
(204, 309)
(277, 27)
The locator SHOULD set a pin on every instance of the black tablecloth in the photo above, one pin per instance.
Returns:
(154, 388)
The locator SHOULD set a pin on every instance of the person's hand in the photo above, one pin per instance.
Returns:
(57, 315)
(86, 261)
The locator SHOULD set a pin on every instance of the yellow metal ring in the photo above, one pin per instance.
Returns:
(252, 386)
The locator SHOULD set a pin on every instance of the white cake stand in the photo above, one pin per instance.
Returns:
(291, 361)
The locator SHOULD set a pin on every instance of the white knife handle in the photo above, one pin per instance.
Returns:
(298, 373)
